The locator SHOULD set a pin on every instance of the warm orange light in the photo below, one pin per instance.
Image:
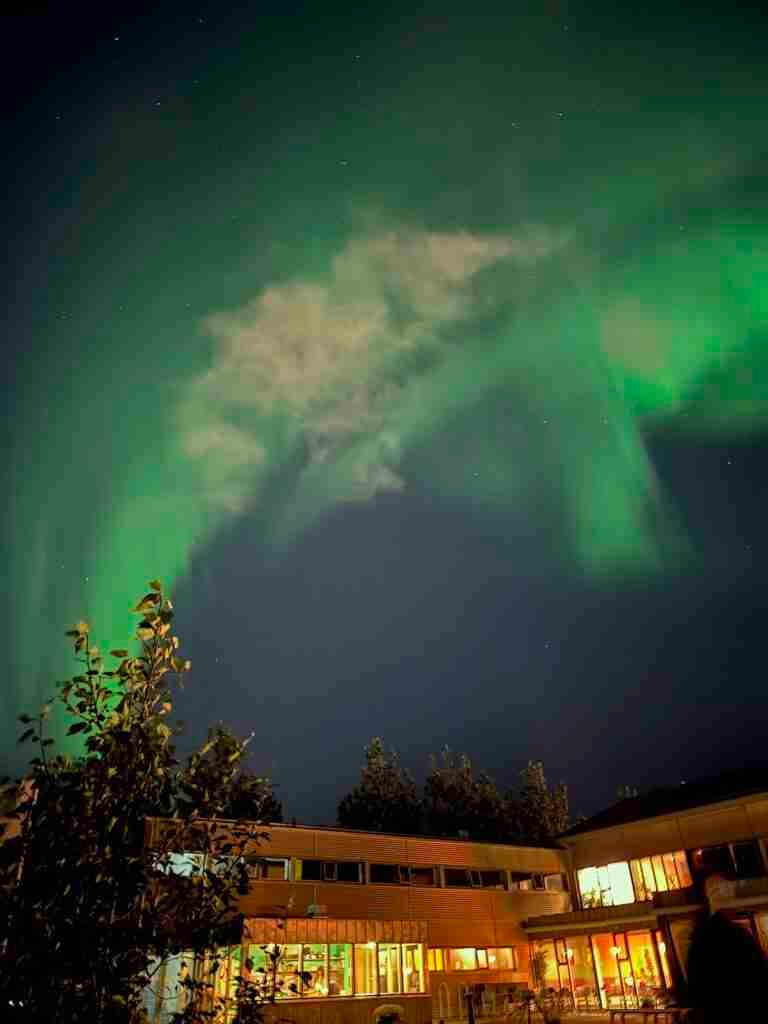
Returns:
(615, 950)
(569, 953)
(662, 948)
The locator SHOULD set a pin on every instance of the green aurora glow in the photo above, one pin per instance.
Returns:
(512, 336)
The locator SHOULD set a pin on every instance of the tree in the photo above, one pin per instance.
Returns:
(89, 909)
(542, 813)
(385, 798)
(245, 796)
(456, 801)
(721, 949)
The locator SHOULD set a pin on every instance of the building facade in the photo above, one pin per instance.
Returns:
(641, 874)
(368, 922)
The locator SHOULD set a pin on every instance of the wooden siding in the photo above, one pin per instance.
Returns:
(757, 812)
(263, 930)
(715, 826)
(701, 826)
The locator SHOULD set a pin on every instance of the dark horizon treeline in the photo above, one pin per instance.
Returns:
(455, 800)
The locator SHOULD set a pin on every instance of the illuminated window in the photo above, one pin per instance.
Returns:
(661, 873)
(340, 969)
(389, 968)
(314, 970)
(502, 958)
(185, 864)
(365, 969)
(482, 957)
(413, 967)
(606, 886)
(287, 975)
(436, 960)
(462, 959)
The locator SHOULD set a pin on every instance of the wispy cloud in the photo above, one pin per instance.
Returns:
(334, 356)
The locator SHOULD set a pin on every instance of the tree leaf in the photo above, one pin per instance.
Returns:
(76, 727)
(155, 585)
(119, 653)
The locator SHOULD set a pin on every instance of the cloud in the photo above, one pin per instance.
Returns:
(334, 357)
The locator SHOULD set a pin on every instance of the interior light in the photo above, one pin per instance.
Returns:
(370, 945)
(409, 970)
(569, 951)
(662, 947)
(615, 950)
(629, 979)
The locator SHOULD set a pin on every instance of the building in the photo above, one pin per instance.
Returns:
(371, 921)
(641, 873)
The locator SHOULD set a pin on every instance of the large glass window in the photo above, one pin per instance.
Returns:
(661, 948)
(287, 977)
(314, 969)
(340, 969)
(365, 969)
(413, 967)
(171, 994)
(644, 980)
(389, 968)
(606, 886)
(579, 954)
(462, 959)
(544, 965)
(502, 958)
(660, 873)
(607, 954)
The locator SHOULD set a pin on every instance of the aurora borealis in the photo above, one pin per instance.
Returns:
(284, 266)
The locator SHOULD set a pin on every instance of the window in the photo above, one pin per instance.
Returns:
(554, 883)
(457, 876)
(385, 873)
(331, 871)
(340, 969)
(390, 979)
(462, 959)
(271, 868)
(314, 970)
(747, 860)
(185, 864)
(519, 880)
(422, 876)
(606, 886)
(660, 873)
(436, 960)
(413, 967)
(365, 969)
(502, 959)
(482, 957)
(492, 879)
(288, 972)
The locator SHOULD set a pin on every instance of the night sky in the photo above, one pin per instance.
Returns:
(422, 351)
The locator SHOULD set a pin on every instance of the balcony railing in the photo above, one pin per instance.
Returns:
(593, 915)
(722, 891)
